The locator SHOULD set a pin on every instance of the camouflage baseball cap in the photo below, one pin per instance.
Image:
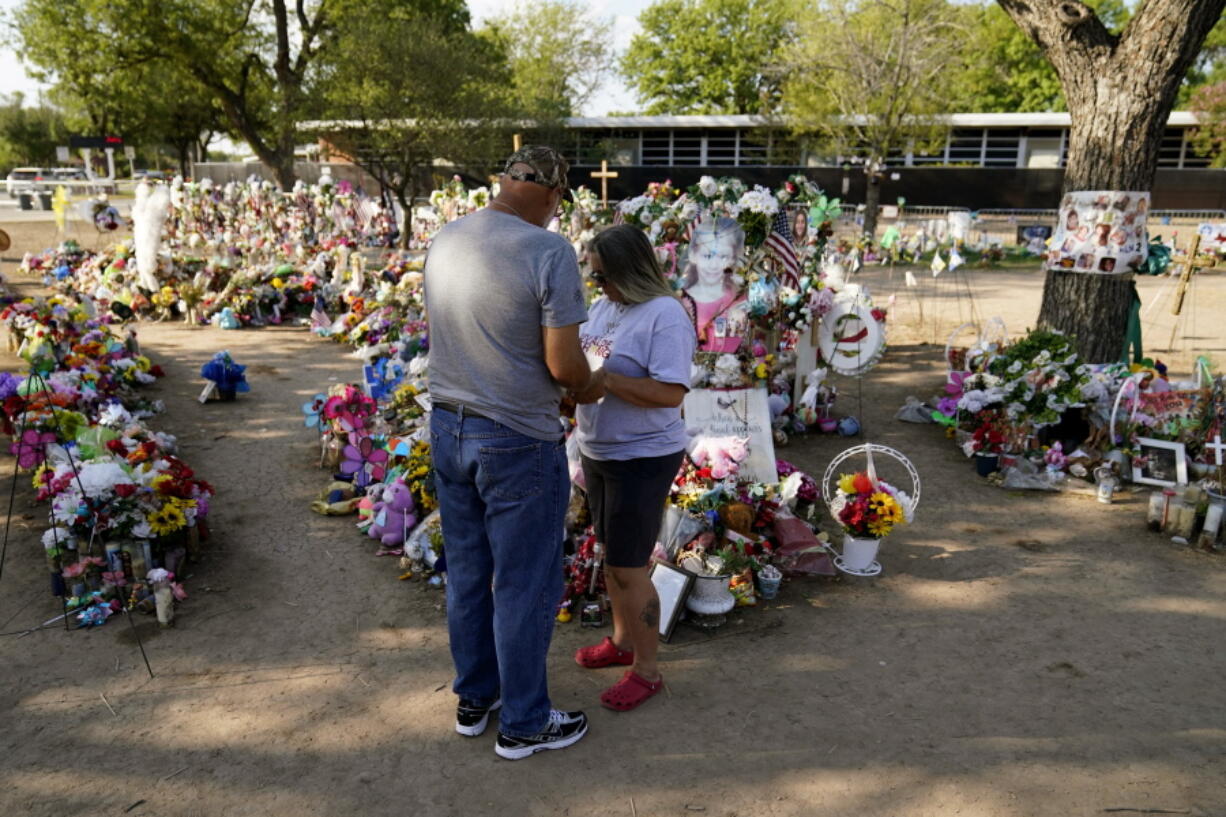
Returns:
(548, 166)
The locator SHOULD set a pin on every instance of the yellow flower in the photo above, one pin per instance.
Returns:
(166, 519)
(159, 481)
(847, 483)
(879, 527)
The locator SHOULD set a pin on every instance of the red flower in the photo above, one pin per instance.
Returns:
(157, 371)
(125, 489)
(116, 447)
(863, 484)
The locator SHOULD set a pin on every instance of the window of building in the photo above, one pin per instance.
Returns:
(966, 146)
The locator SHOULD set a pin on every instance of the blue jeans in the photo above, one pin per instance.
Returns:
(502, 497)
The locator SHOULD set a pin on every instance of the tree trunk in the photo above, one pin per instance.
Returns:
(184, 169)
(872, 203)
(1120, 91)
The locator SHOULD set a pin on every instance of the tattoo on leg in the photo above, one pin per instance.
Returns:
(651, 613)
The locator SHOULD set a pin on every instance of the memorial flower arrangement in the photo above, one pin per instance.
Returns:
(110, 481)
(1039, 378)
(868, 507)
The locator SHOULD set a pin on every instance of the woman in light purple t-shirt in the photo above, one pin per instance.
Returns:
(639, 342)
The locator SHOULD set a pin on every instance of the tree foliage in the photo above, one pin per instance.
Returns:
(29, 135)
(558, 53)
(870, 77)
(708, 56)
(411, 87)
(1209, 138)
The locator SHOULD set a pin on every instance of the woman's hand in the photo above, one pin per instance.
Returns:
(594, 390)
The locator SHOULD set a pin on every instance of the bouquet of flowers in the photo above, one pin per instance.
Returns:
(868, 507)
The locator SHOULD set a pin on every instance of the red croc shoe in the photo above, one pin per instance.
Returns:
(629, 692)
(604, 654)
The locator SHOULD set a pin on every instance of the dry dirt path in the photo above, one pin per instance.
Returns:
(1022, 655)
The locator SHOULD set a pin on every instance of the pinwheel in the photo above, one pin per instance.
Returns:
(364, 459)
(312, 409)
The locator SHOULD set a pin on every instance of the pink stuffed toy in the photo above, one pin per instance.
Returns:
(723, 455)
(394, 515)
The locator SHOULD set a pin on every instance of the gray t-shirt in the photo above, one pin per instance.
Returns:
(492, 281)
(653, 339)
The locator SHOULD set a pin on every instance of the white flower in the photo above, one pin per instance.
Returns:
(759, 200)
(1014, 367)
(708, 186)
(98, 478)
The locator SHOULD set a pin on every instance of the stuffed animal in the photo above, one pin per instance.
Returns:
(815, 402)
(723, 455)
(394, 515)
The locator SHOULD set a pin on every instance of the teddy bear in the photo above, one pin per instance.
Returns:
(394, 515)
(723, 455)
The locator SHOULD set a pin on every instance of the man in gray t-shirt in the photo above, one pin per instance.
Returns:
(505, 301)
(492, 282)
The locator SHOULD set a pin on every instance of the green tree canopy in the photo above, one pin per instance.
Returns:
(708, 56)
(411, 87)
(558, 53)
(870, 77)
(29, 135)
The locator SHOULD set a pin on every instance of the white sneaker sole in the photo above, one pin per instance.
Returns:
(479, 727)
(529, 751)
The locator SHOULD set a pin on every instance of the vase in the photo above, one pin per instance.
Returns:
(986, 463)
(710, 600)
(769, 579)
(859, 552)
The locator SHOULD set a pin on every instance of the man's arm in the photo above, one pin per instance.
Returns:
(564, 358)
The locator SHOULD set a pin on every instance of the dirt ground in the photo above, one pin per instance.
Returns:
(1021, 655)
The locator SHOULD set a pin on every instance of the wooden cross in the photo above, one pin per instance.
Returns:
(604, 174)
(1217, 447)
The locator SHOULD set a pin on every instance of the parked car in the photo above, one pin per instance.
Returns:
(150, 175)
(26, 180)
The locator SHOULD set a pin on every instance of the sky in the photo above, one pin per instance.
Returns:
(614, 96)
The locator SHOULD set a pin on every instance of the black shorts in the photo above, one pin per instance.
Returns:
(626, 498)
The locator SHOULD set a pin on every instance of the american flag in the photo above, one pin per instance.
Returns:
(689, 228)
(319, 318)
(779, 242)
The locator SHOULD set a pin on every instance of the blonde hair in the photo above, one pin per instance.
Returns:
(630, 264)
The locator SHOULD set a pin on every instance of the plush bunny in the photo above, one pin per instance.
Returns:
(723, 455)
(394, 515)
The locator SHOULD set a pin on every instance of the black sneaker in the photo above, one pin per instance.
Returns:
(471, 718)
(563, 729)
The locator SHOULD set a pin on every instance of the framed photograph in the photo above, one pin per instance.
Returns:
(673, 586)
(1160, 463)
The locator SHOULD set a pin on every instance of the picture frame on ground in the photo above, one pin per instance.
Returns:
(1160, 462)
(673, 586)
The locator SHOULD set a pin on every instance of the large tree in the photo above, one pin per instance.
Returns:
(558, 52)
(871, 77)
(29, 135)
(413, 88)
(708, 56)
(1120, 89)
(253, 60)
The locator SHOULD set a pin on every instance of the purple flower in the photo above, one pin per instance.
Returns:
(8, 385)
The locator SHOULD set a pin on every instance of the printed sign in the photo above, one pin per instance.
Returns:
(1212, 237)
(1100, 231)
(736, 413)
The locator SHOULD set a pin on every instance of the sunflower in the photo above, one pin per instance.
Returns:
(166, 519)
(879, 527)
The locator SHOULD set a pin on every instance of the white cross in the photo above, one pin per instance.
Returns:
(1217, 447)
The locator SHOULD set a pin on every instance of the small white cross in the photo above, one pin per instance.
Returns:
(1217, 447)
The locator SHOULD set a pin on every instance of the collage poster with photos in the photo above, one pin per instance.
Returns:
(1100, 231)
